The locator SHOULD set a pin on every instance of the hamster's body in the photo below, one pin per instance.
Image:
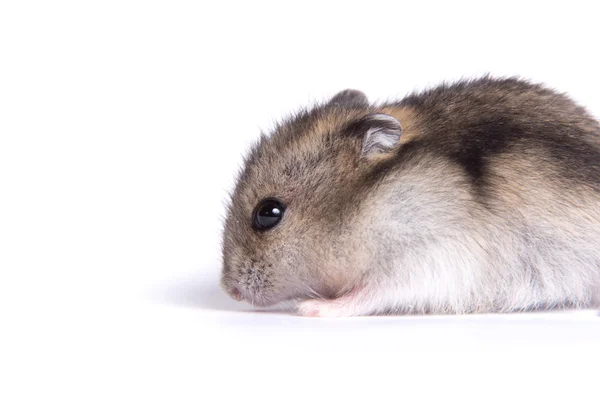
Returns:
(482, 196)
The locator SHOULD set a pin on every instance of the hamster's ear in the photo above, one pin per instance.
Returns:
(349, 98)
(380, 133)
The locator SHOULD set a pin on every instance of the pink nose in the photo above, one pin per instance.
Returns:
(235, 293)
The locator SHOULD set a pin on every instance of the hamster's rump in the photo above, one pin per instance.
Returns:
(478, 196)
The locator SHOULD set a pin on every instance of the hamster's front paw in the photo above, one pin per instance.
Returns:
(322, 308)
(358, 301)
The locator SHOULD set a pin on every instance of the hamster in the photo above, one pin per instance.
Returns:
(477, 196)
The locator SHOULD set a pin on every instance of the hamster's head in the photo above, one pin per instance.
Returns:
(289, 226)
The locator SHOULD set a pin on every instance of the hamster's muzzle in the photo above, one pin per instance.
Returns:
(251, 281)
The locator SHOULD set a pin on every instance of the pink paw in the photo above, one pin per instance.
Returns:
(322, 308)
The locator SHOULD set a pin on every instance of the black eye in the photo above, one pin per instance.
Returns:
(267, 214)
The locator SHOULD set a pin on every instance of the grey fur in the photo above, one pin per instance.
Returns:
(489, 201)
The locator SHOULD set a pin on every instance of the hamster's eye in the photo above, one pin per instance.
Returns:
(267, 214)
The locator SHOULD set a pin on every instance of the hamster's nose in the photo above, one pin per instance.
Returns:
(235, 293)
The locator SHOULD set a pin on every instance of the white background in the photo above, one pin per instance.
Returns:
(122, 125)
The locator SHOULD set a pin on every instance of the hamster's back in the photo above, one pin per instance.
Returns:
(472, 122)
(530, 157)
